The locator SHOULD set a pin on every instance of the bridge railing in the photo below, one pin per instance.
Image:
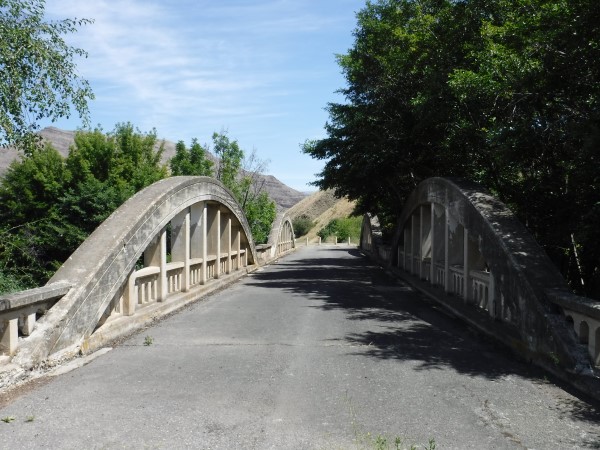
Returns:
(584, 316)
(466, 249)
(20, 311)
(171, 243)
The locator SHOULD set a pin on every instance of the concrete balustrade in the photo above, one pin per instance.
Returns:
(20, 311)
(169, 244)
(465, 249)
(583, 316)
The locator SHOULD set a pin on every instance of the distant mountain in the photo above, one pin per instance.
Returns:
(283, 195)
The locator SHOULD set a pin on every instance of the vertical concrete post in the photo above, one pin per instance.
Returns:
(307, 241)
(203, 242)
(238, 239)
(218, 243)
(197, 235)
(406, 247)
(228, 241)
(28, 324)
(446, 250)
(492, 296)
(163, 279)
(413, 247)
(466, 265)
(10, 336)
(421, 238)
(432, 265)
(130, 294)
(180, 245)
(212, 236)
(156, 255)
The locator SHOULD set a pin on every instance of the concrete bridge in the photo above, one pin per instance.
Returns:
(185, 237)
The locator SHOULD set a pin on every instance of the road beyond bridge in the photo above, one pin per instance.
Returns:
(322, 350)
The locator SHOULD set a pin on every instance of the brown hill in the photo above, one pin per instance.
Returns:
(283, 195)
(321, 207)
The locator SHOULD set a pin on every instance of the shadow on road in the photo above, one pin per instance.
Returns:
(406, 325)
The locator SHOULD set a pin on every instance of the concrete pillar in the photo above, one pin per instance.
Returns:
(227, 233)
(406, 247)
(218, 243)
(156, 255)
(466, 266)
(180, 245)
(10, 336)
(492, 296)
(446, 251)
(238, 239)
(204, 242)
(421, 239)
(432, 269)
(130, 294)
(413, 247)
(212, 234)
(28, 323)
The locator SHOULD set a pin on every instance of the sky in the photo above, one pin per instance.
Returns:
(262, 70)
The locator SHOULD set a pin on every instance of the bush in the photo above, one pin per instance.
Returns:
(348, 227)
(302, 225)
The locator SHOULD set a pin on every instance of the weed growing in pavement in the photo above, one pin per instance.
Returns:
(367, 441)
(8, 419)
(29, 418)
(148, 340)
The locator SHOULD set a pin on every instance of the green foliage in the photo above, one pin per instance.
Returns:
(39, 77)
(500, 92)
(230, 161)
(49, 205)
(190, 161)
(343, 229)
(260, 210)
(302, 225)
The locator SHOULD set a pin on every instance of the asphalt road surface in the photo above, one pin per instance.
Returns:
(320, 351)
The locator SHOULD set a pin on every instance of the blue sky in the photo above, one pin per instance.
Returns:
(263, 70)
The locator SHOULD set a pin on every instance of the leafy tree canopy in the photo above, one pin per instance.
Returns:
(190, 161)
(38, 77)
(260, 210)
(49, 205)
(502, 92)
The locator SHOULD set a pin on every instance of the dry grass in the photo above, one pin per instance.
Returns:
(321, 207)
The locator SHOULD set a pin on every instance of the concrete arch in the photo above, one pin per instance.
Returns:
(100, 268)
(281, 238)
(457, 221)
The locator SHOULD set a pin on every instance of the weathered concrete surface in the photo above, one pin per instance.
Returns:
(98, 269)
(522, 271)
(313, 352)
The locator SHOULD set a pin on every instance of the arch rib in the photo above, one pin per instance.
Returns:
(100, 268)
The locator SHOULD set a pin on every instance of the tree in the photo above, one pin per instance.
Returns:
(190, 161)
(245, 185)
(38, 73)
(502, 92)
(388, 135)
(49, 205)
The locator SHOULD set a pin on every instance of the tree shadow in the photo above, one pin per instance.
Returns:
(407, 326)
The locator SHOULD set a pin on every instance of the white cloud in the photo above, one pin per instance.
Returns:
(188, 65)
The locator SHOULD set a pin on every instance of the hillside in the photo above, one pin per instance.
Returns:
(321, 207)
(283, 195)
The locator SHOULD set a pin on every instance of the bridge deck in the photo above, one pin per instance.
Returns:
(316, 351)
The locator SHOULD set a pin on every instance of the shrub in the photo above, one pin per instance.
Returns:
(302, 225)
